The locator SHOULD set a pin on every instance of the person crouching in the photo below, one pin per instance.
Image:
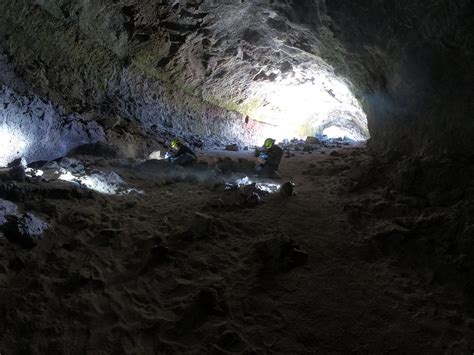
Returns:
(269, 159)
(181, 154)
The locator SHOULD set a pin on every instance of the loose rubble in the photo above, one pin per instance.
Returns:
(25, 230)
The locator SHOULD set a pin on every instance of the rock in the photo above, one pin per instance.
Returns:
(232, 147)
(334, 153)
(252, 200)
(6, 208)
(312, 140)
(26, 230)
(201, 225)
(246, 148)
(156, 155)
(17, 169)
(287, 189)
(18, 162)
(307, 148)
(70, 164)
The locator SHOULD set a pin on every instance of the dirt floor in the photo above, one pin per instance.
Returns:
(143, 274)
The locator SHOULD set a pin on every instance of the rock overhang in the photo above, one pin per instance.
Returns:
(240, 55)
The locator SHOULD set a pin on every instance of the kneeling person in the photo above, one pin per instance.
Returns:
(269, 159)
(182, 154)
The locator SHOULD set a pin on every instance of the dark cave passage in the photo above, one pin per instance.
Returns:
(352, 232)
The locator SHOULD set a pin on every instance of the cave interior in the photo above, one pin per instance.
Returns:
(362, 242)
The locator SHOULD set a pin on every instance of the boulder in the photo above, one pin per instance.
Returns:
(287, 189)
(312, 140)
(232, 147)
(17, 169)
(6, 208)
(25, 230)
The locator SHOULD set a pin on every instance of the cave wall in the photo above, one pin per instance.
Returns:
(412, 65)
(38, 130)
(79, 60)
(185, 66)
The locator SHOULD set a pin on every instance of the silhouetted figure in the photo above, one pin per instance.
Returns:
(182, 155)
(269, 159)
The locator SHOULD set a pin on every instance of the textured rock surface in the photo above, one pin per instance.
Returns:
(37, 130)
(70, 64)
(6, 208)
(161, 63)
(25, 230)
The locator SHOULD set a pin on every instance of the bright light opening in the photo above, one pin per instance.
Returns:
(338, 132)
(308, 101)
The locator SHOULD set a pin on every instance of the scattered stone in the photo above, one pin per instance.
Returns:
(287, 189)
(70, 164)
(17, 169)
(17, 162)
(312, 140)
(26, 230)
(6, 208)
(232, 147)
(252, 200)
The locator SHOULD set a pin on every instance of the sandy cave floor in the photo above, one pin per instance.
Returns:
(119, 274)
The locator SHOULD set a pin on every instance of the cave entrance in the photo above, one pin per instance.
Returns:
(310, 100)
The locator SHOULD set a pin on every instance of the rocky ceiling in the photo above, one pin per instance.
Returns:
(162, 63)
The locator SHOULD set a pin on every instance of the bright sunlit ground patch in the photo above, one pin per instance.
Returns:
(265, 186)
(109, 184)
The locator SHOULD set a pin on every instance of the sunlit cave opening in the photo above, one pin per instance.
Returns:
(310, 101)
